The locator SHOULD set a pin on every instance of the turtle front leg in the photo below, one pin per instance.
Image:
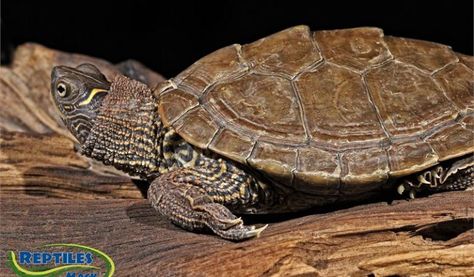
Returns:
(190, 198)
(458, 176)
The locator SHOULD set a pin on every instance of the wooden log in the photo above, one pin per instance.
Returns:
(46, 164)
(424, 237)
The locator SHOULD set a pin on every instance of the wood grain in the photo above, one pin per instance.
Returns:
(424, 237)
(46, 164)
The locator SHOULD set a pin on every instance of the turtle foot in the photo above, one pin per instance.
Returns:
(190, 207)
(457, 176)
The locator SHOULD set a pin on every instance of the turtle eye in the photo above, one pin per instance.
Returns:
(61, 89)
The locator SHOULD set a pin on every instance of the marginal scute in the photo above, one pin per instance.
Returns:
(452, 141)
(318, 171)
(213, 67)
(197, 127)
(357, 48)
(337, 106)
(425, 55)
(173, 105)
(409, 157)
(278, 159)
(287, 52)
(365, 170)
(457, 81)
(232, 145)
(260, 104)
(408, 100)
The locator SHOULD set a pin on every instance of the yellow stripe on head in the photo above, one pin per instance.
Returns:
(91, 96)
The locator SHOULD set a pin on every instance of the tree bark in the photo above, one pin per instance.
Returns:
(50, 194)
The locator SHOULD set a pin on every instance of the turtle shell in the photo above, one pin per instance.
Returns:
(345, 107)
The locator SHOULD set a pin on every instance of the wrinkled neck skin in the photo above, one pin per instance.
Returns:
(129, 135)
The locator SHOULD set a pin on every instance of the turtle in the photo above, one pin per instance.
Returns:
(295, 120)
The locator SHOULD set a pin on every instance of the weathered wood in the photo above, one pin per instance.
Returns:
(37, 153)
(424, 237)
(46, 164)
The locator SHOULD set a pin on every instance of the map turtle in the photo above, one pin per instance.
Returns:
(294, 120)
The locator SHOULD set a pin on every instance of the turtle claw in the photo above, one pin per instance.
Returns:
(236, 221)
(229, 223)
(225, 224)
(422, 180)
(407, 186)
(240, 232)
(401, 189)
(256, 232)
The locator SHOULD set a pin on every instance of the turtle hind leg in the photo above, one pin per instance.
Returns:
(184, 196)
(457, 176)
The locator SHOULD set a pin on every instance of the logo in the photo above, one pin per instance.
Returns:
(85, 261)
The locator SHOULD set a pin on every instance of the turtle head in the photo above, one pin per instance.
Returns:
(78, 94)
